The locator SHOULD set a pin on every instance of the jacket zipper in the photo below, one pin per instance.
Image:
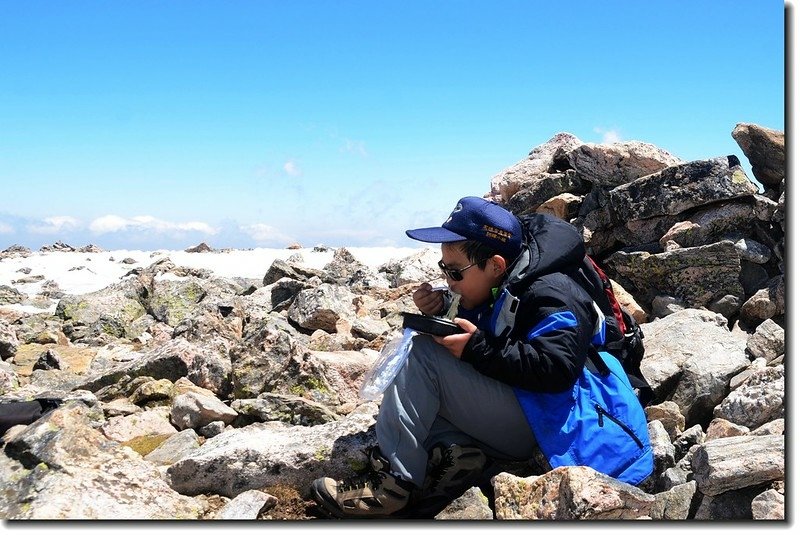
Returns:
(601, 412)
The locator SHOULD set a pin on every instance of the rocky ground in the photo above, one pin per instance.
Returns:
(185, 394)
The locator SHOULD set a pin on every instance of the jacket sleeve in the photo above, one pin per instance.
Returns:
(547, 348)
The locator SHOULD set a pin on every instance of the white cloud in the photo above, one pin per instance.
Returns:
(292, 169)
(5, 228)
(609, 136)
(261, 232)
(55, 225)
(354, 147)
(146, 223)
(108, 223)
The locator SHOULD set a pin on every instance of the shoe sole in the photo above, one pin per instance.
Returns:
(332, 510)
(325, 504)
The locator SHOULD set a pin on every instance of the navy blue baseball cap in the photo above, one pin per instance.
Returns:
(477, 219)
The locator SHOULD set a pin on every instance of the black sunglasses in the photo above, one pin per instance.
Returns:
(453, 273)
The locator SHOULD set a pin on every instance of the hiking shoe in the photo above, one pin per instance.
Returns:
(373, 494)
(453, 469)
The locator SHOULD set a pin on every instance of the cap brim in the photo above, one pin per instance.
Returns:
(434, 235)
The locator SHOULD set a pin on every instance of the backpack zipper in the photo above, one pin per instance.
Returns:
(601, 412)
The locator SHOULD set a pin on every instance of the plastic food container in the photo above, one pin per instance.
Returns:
(383, 372)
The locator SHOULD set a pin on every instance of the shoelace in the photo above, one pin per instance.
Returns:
(369, 479)
(438, 471)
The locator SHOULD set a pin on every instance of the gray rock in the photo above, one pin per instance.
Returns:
(345, 270)
(112, 310)
(671, 478)
(690, 356)
(735, 463)
(8, 340)
(721, 428)
(732, 505)
(710, 224)
(472, 505)
(679, 188)
(152, 391)
(50, 360)
(688, 439)
(193, 410)
(281, 269)
(540, 160)
(172, 360)
(675, 503)
(759, 400)
(140, 424)
(9, 380)
(247, 506)
(696, 275)
(752, 251)
(293, 410)
(172, 301)
(10, 296)
(775, 427)
(322, 307)
(568, 493)
(613, 164)
(415, 269)
(669, 414)
(765, 148)
(663, 450)
(261, 358)
(664, 305)
(727, 305)
(767, 342)
(174, 448)
(544, 187)
(769, 505)
(60, 457)
(274, 453)
(211, 429)
(765, 303)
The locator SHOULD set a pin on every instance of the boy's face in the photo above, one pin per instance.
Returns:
(476, 286)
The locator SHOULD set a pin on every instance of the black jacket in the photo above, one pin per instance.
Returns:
(547, 347)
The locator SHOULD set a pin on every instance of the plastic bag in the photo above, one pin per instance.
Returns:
(383, 372)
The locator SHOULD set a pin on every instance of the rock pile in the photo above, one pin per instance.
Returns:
(184, 395)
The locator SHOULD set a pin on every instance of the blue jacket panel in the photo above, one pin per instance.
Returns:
(597, 423)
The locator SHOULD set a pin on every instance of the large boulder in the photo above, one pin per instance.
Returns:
(765, 148)
(61, 467)
(680, 187)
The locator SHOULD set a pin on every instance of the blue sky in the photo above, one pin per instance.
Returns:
(155, 124)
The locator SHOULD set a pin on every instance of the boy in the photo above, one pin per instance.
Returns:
(459, 398)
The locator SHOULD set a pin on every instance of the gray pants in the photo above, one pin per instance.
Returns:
(438, 398)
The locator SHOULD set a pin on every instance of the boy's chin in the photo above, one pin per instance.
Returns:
(466, 304)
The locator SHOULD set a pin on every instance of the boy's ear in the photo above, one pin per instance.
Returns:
(499, 265)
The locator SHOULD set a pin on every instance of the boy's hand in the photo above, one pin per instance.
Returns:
(428, 301)
(455, 343)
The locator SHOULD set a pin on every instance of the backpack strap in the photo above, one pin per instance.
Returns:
(595, 363)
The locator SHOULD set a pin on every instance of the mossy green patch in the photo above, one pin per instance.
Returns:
(738, 177)
(356, 465)
(322, 454)
(309, 384)
(70, 310)
(146, 444)
(317, 384)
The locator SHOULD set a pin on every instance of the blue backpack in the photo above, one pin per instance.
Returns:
(598, 423)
